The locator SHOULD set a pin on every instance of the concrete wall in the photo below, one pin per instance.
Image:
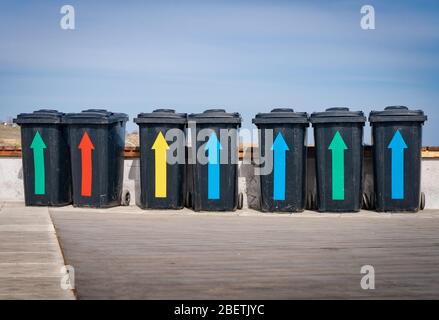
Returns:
(11, 181)
(430, 186)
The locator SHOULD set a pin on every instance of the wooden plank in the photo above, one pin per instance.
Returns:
(134, 152)
(430, 154)
(31, 288)
(30, 255)
(11, 152)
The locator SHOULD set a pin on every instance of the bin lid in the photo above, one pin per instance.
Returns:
(281, 115)
(95, 116)
(42, 116)
(216, 116)
(397, 113)
(337, 114)
(161, 116)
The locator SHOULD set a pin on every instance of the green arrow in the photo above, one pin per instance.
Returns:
(337, 147)
(38, 147)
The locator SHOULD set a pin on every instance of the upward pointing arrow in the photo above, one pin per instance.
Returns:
(397, 145)
(86, 147)
(38, 147)
(160, 146)
(337, 147)
(279, 148)
(213, 147)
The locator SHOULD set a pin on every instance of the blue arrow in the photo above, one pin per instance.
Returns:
(213, 147)
(279, 148)
(397, 145)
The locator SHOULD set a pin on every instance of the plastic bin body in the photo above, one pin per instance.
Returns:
(46, 159)
(97, 142)
(284, 188)
(397, 143)
(222, 175)
(338, 136)
(162, 182)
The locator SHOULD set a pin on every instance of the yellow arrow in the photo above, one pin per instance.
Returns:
(160, 146)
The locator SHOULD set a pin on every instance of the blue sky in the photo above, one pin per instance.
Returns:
(246, 56)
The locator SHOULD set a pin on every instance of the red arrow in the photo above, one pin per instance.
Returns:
(86, 147)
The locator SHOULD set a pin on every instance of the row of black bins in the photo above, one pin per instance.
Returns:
(187, 181)
(73, 158)
(94, 141)
(338, 136)
(78, 158)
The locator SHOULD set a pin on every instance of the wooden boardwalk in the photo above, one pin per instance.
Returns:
(30, 256)
(128, 253)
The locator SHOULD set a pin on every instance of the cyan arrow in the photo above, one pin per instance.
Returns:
(397, 144)
(279, 148)
(213, 147)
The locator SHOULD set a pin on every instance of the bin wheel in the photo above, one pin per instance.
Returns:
(126, 198)
(308, 201)
(422, 202)
(240, 201)
(366, 202)
(311, 201)
(188, 200)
